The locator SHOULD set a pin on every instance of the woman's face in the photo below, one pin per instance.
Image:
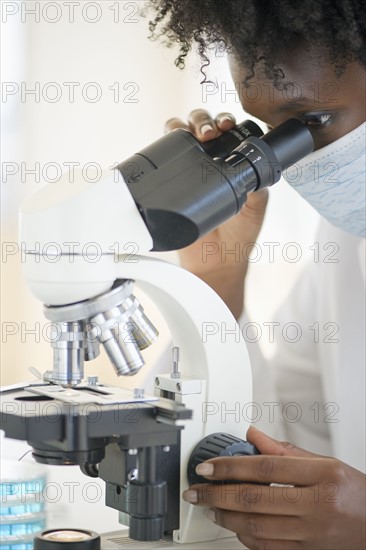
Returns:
(331, 106)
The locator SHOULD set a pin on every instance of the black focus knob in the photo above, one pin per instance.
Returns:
(214, 445)
(63, 539)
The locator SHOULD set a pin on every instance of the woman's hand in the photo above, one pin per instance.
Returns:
(220, 258)
(321, 505)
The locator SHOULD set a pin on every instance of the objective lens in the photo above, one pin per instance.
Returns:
(113, 331)
(68, 352)
(114, 319)
(92, 345)
(143, 331)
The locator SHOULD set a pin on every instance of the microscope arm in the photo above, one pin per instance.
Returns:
(213, 354)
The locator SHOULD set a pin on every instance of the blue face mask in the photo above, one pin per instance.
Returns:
(333, 180)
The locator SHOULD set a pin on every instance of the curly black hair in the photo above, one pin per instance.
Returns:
(260, 30)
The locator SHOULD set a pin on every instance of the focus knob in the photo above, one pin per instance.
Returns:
(214, 445)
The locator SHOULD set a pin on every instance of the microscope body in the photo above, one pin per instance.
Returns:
(213, 376)
(71, 231)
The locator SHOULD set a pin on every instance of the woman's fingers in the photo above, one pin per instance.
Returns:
(258, 526)
(225, 121)
(206, 128)
(249, 498)
(202, 125)
(174, 123)
(268, 469)
(265, 444)
(255, 544)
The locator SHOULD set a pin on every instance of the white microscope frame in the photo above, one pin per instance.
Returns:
(215, 374)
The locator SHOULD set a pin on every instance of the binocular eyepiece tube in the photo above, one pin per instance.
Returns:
(184, 189)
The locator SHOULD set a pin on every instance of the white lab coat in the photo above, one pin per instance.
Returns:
(321, 381)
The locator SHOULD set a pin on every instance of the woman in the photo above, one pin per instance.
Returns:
(304, 60)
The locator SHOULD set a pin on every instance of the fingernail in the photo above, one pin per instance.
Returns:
(211, 515)
(205, 469)
(205, 128)
(224, 119)
(190, 496)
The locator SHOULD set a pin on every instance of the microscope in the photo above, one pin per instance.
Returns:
(145, 447)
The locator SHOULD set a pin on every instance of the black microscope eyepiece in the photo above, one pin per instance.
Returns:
(184, 189)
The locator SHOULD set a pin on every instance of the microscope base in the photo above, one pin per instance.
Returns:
(119, 539)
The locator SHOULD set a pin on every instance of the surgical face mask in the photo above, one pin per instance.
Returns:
(332, 180)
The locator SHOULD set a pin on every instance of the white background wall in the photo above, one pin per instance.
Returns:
(113, 49)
